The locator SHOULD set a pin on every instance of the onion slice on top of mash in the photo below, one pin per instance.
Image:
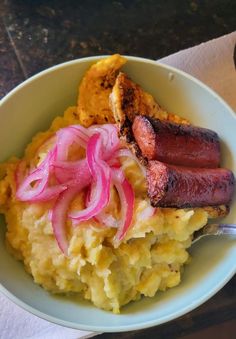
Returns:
(71, 177)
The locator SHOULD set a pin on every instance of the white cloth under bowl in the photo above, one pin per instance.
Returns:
(211, 62)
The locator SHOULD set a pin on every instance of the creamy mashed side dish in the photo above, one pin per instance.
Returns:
(149, 258)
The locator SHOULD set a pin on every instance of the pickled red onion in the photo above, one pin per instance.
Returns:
(59, 216)
(65, 138)
(101, 174)
(68, 172)
(110, 139)
(58, 178)
(33, 186)
(126, 195)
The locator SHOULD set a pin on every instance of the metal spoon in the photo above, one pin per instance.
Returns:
(214, 229)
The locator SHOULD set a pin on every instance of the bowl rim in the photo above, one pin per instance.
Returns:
(145, 324)
(129, 58)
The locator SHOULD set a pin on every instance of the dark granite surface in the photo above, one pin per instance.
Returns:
(44, 33)
(10, 70)
(37, 34)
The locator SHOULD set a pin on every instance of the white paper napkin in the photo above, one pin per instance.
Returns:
(212, 63)
(16, 323)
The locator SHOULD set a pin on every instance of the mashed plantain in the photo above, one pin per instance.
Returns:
(149, 259)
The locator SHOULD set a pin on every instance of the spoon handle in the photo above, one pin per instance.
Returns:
(214, 229)
(227, 229)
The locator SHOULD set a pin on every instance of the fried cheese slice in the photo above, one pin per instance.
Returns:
(95, 89)
(128, 100)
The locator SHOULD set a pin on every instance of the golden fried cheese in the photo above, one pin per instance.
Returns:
(95, 88)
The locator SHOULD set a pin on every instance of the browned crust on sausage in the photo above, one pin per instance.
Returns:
(176, 144)
(184, 187)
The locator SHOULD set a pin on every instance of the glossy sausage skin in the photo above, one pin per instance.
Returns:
(182, 187)
(176, 144)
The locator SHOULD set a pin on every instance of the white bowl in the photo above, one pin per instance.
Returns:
(31, 107)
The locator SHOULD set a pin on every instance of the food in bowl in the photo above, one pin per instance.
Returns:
(103, 239)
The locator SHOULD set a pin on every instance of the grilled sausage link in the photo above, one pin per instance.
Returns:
(176, 144)
(182, 187)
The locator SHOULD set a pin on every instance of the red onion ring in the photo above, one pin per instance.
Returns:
(98, 171)
(101, 174)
